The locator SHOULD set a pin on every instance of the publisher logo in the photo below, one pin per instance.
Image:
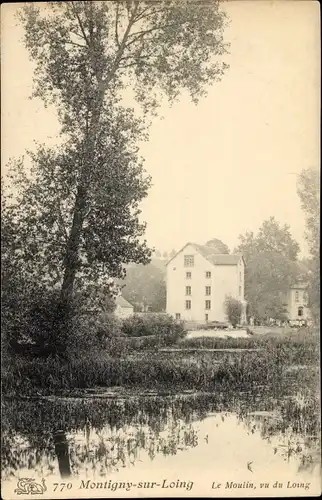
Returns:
(28, 486)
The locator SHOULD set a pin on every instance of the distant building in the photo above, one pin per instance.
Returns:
(296, 302)
(123, 308)
(199, 280)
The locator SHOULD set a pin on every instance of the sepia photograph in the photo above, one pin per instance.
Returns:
(160, 249)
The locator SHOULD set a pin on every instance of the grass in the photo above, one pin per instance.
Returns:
(294, 347)
(155, 370)
(267, 381)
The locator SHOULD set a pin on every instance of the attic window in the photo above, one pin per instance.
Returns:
(189, 261)
(208, 274)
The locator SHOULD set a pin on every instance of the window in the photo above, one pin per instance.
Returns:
(240, 291)
(208, 274)
(206, 317)
(189, 261)
(178, 316)
(305, 298)
(240, 276)
(296, 296)
(208, 304)
(300, 311)
(208, 290)
(188, 304)
(188, 276)
(188, 290)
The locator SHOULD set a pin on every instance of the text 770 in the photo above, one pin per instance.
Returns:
(62, 486)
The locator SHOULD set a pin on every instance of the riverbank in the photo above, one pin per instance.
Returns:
(206, 364)
(148, 407)
(109, 434)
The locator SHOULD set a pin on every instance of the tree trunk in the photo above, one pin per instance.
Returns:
(62, 453)
(71, 257)
(95, 109)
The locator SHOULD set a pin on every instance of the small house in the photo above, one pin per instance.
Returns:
(123, 308)
(297, 302)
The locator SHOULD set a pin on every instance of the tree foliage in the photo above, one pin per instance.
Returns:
(234, 309)
(145, 288)
(309, 193)
(40, 216)
(271, 268)
(218, 246)
(86, 54)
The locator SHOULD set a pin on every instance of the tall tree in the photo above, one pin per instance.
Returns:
(87, 53)
(309, 192)
(271, 268)
(41, 214)
(218, 246)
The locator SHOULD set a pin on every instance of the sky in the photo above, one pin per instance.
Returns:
(222, 167)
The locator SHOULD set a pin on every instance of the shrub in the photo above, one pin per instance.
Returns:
(233, 309)
(108, 326)
(92, 334)
(30, 315)
(153, 324)
(31, 319)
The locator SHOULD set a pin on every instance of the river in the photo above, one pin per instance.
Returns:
(149, 446)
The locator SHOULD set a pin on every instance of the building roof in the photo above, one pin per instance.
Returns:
(217, 259)
(159, 263)
(299, 286)
(120, 301)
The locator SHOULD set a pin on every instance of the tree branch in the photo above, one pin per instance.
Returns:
(104, 83)
(117, 41)
(142, 15)
(155, 28)
(76, 44)
(80, 23)
(140, 34)
(144, 59)
(134, 64)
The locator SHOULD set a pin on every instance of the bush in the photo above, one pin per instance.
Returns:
(234, 310)
(32, 320)
(153, 324)
(92, 334)
(108, 326)
(30, 316)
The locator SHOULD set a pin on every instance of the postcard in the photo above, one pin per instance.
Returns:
(160, 233)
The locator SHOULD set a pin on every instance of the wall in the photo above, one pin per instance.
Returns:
(293, 305)
(224, 281)
(123, 312)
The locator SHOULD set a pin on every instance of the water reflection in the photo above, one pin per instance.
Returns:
(96, 438)
(62, 453)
